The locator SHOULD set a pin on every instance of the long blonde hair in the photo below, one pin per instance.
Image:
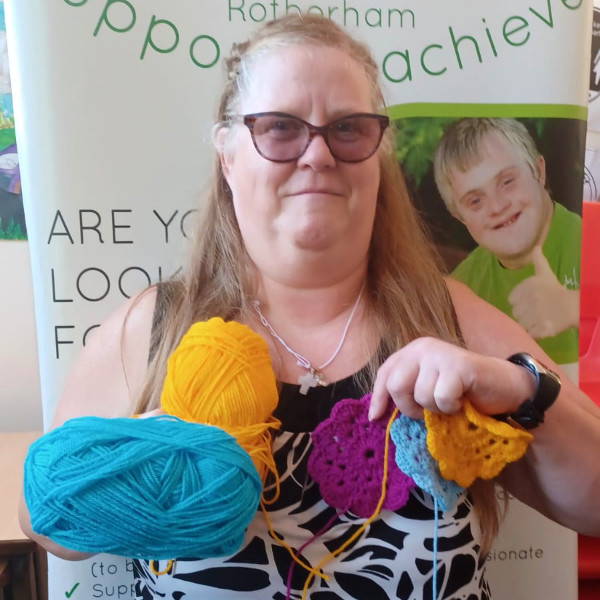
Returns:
(406, 294)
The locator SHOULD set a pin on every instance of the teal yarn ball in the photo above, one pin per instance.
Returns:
(155, 488)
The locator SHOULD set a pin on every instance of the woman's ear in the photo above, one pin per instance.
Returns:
(220, 140)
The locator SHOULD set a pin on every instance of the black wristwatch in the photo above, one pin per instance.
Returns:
(547, 387)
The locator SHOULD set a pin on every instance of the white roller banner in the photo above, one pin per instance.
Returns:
(113, 104)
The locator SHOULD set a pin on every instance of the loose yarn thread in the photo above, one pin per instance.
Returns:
(436, 520)
(366, 522)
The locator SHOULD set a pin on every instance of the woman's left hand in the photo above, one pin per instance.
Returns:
(431, 374)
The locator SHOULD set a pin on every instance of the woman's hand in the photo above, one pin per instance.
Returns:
(431, 374)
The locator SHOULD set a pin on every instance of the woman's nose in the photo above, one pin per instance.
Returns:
(317, 154)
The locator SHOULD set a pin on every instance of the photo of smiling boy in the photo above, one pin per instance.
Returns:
(492, 178)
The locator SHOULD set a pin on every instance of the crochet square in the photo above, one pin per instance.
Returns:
(468, 444)
(347, 460)
(414, 459)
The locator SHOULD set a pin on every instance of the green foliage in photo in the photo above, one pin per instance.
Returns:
(12, 231)
(416, 139)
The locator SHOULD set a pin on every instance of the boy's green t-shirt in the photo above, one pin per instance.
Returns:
(482, 272)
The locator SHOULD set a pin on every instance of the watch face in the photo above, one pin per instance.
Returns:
(531, 413)
(539, 366)
(542, 368)
(534, 365)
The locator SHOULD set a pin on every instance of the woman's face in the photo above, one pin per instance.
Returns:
(314, 211)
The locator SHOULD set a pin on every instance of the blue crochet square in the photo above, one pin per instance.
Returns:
(413, 459)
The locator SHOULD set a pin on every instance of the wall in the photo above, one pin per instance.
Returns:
(20, 403)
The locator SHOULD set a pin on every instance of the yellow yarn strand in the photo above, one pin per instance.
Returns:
(276, 485)
(376, 512)
(164, 571)
(311, 570)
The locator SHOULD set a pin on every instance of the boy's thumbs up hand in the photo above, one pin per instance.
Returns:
(541, 265)
(541, 304)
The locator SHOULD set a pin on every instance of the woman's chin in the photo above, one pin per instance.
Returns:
(314, 240)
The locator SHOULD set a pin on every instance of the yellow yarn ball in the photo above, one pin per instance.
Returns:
(220, 374)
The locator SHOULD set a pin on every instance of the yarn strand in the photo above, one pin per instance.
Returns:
(319, 533)
(368, 521)
(290, 550)
(435, 546)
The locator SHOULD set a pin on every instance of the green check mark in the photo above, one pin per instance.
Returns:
(71, 592)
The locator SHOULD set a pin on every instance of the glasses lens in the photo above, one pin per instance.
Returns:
(356, 137)
(279, 137)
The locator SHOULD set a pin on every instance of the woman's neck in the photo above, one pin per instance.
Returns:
(309, 307)
(323, 325)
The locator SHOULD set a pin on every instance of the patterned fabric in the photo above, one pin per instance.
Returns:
(392, 559)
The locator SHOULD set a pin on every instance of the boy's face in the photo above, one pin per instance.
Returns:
(502, 203)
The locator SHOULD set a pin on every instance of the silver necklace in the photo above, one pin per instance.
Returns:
(314, 375)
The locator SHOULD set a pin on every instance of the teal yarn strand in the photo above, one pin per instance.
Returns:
(154, 488)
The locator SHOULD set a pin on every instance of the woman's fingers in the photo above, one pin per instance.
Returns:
(422, 375)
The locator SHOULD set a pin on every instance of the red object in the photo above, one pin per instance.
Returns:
(589, 372)
(589, 568)
(589, 590)
(589, 558)
(589, 320)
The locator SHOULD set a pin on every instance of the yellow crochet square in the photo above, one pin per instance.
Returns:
(468, 444)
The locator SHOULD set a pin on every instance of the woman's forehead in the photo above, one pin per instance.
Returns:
(292, 73)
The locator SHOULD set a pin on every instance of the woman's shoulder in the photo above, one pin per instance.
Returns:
(128, 327)
(109, 370)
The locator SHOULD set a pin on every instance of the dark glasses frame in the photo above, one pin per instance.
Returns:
(250, 120)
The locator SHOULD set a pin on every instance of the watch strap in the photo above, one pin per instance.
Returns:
(547, 387)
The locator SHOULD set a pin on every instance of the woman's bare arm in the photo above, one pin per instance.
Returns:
(560, 473)
(104, 381)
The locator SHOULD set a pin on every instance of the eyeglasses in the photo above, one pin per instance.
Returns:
(280, 137)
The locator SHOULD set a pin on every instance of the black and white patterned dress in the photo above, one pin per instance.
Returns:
(393, 558)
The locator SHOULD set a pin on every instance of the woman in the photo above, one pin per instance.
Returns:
(308, 236)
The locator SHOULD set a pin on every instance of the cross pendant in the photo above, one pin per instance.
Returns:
(309, 380)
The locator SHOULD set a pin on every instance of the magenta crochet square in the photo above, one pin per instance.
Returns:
(347, 460)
